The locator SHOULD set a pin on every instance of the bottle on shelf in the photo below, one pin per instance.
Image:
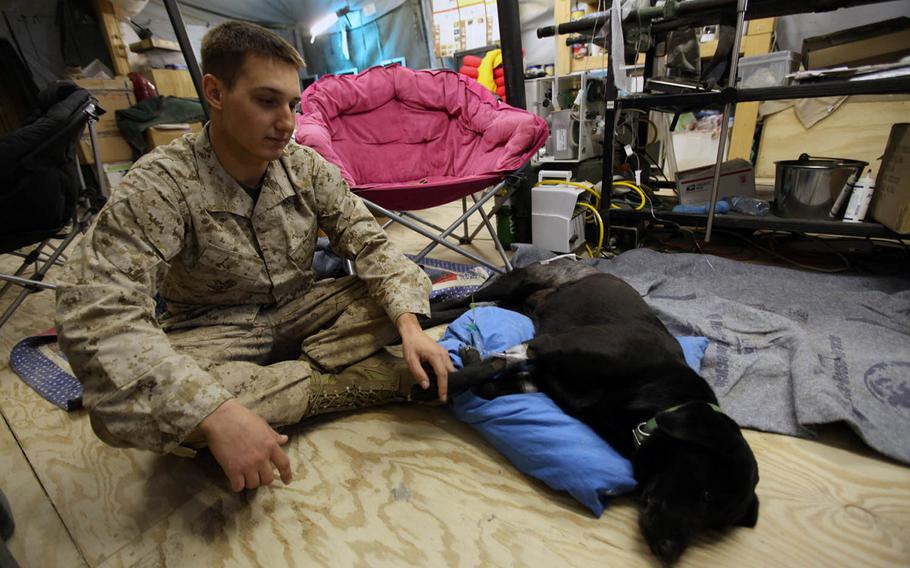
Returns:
(749, 206)
(859, 201)
(505, 227)
(843, 196)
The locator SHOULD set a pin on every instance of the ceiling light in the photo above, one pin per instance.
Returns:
(326, 22)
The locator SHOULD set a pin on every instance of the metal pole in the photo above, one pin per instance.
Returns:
(724, 127)
(28, 283)
(510, 39)
(96, 155)
(173, 13)
(611, 113)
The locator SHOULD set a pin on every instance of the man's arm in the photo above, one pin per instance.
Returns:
(399, 285)
(420, 348)
(245, 446)
(396, 283)
(139, 391)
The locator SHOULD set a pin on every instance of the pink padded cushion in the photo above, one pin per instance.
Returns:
(394, 128)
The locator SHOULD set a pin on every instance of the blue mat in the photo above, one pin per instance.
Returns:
(33, 359)
(453, 279)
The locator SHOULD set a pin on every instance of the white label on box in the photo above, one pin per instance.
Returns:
(562, 143)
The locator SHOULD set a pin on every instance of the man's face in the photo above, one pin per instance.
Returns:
(257, 112)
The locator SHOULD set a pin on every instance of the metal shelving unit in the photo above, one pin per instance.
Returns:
(695, 12)
(737, 221)
(707, 99)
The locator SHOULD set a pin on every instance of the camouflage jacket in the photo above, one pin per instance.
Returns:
(179, 225)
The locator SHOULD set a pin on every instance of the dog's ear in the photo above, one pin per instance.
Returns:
(700, 424)
(750, 517)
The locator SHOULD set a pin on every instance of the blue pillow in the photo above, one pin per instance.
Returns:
(694, 348)
(529, 429)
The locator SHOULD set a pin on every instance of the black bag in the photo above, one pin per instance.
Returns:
(39, 182)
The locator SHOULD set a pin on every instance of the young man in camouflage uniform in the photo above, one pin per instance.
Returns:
(223, 225)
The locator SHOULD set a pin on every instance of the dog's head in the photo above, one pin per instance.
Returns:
(696, 472)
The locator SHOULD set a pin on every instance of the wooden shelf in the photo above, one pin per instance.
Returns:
(588, 63)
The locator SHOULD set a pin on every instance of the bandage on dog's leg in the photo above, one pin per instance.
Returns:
(460, 381)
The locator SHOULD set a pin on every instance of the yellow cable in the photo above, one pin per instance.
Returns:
(587, 188)
(637, 189)
(600, 224)
(594, 208)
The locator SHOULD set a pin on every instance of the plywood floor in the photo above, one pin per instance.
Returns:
(402, 485)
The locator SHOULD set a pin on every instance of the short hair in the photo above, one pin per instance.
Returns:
(224, 49)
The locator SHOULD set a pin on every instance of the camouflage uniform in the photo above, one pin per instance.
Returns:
(244, 317)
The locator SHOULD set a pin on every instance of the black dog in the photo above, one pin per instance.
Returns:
(604, 357)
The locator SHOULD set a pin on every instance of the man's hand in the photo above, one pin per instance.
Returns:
(420, 348)
(245, 446)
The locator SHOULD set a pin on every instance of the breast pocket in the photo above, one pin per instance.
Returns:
(302, 248)
(222, 270)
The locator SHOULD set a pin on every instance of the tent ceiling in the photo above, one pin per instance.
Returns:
(285, 12)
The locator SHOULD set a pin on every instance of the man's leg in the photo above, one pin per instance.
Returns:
(335, 325)
(344, 367)
(285, 392)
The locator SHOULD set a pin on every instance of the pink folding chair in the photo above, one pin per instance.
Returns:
(408, 140)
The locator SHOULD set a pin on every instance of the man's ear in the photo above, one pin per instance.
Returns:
(213, 89)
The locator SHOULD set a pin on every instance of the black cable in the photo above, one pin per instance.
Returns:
(656, 165)
(775, 254)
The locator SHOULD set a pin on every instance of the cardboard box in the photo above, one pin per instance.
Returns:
(113, 148)
(881, 42)
(154, 43)
(173, 82)
(736, 178)
(761, 26)
(112, 95)
(167, 133)
(891, 200)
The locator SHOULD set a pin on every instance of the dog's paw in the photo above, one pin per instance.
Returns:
(431, 393)
(469, 355)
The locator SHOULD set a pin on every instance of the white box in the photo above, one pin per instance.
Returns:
(736, 178)
(555, 225)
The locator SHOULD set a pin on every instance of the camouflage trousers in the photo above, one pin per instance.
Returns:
(319, 353)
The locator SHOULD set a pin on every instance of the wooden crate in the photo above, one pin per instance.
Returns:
(173, 82)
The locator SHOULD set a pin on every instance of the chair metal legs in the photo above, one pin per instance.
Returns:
(43, 259)
(35, 283)
(411, 221)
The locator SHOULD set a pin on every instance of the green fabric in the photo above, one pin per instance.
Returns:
(134, 121)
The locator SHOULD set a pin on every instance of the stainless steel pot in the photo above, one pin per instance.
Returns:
(807, 187)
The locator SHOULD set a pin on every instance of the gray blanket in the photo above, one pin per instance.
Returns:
(789, 348)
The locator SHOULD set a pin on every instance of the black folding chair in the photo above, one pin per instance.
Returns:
(43, 195)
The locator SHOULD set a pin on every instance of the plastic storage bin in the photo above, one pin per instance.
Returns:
(768, 70)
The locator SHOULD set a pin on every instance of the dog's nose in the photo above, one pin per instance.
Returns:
(668, 550)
